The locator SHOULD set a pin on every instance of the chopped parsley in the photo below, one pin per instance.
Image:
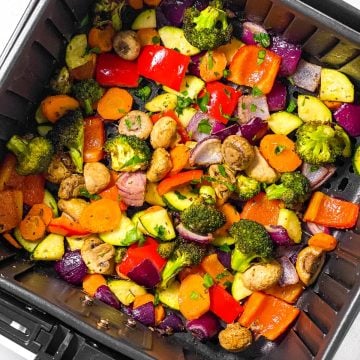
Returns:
(85, 193)
(208, 281)
(210, 60)
(256, 91)
(226, 73)
(203, 102)
(160, 230)
(222, 170)
(194, 295)
(291, 106)
(128, 124)
(179, 195)
(261, 56)
(253, 107)
(143, 93)
(182, 103)
(204, 126)
(155, 40)
(262, 39)
(279, 149)
(225, 248)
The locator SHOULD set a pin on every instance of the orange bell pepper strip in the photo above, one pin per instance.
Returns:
(182, 178)
(254, 66)
(221, 276)
(94, 138)
(65, 226)
(332, 212)
(267, 315)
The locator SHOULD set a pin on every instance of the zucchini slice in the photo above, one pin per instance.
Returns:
(181, 198)
(312, 109)
(162, 102)
(145, 20)
(170, 295)
(50, 201)
(283, 122)
(356, 161)
(335, 86)
(289, 220)
(76, 52)
(50, 249)
(174, 38)
(190, 87)
(75, 243)
(126, 290)
(152, 196)
(238, 290)
(27, 245)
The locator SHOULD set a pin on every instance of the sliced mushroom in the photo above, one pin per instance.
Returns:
(127, 45)
(262, 276)
(163, 133)
(237, 152)
(309, 263)
(73, 207)
(98, 256)
(59, 169)
(71, 186)
(136, 123)
(160, 165)
(97, 177)
(225, 179)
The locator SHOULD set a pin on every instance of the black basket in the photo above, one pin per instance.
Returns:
(328, 307)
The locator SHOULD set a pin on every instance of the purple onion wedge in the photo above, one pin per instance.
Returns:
(145, 274)
(206, 152)
(251, 106)
(193, 67)
(201, 126)
(174, 10)
(249, 30)
(347, 116)
(315, 228)
(104, 294)
(205, 327)
(276, 99)
(279, 235)
(191, 236)
(254, 130)
(145, 314)
(290, 252)
(71, 267)
(224, 257)
(227, 131)
(317, 175)
(289, 275)
(172, 323)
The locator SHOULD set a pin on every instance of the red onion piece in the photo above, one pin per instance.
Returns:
(307, 75)
(71, 267)
(254, 130)
(191, 236)
(206, 152)
(104, 294)
(347, 116)
(193, 126)
(315, 228)
(172, 323)
(132, 188)
(145, 274)
(251, 107)
(276, 99)
(174, 10)
(317, 175)
(279, 235)
(205, 327)
(145, 314)
(227, 131)
(193, 67)
(290, 252)
(224, 257)
(249, 30)
(289, 275)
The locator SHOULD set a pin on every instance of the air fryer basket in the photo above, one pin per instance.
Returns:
(328, 307)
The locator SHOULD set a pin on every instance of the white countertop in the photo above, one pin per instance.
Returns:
(9, 17)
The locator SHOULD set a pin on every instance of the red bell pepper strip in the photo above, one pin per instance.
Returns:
(65, 226)
(220, 100)
(182, 178)
(166, 66)
(137, 253)
(223, 305)
(112, 70)
(94, 138)
(180, 128)
(254, 66)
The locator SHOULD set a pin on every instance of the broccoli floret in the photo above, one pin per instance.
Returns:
(61, 82)
(293, 189)
(320, 144)
(33, 155)
(67, 134)
(186, 254)
(247, 187)
(207, 29)
(108, 12)
(165, 249)
(87, 92)
(252, 242)
(202, 218)
(128, 153)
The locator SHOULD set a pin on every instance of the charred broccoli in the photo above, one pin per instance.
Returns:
(33, 155)
(247, 187)
(67, 134)
(61, 82)
(293, 189)
(207, 29)
(320, 144)
(128, 153)
(108, 12)
(202, 218)
(87, 92)
(165, 249)
(252, 242)
(185, 254)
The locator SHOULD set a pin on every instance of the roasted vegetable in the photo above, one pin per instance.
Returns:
(87, 92)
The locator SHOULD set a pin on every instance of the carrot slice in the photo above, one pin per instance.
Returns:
(10, 209)
(179, 155)
(101, 38)
(194, 298)
(114, 104)
(232, 216)
(254, 66)
(182, 178)
(216, 270)
(289, 293)
(92, 282)
(159, 314)
(11, 240)
(262, 210)
(152, 2)
(148, 36)
(143, 299)
(43, 211)
(136, 4)
(32, 228)
(100, 216)
(323, 241)
(55, 106)
(279, 152)
(212, 65)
